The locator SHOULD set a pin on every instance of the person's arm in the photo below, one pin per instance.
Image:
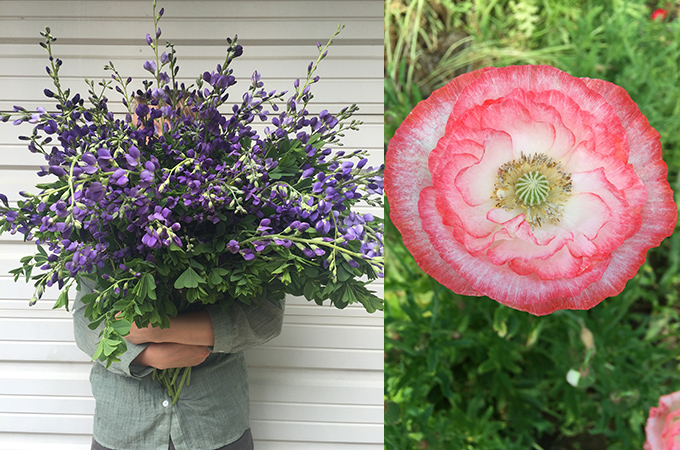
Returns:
(238, 328)
(243, 326)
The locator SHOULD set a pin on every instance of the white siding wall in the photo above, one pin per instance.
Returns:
(318, 385)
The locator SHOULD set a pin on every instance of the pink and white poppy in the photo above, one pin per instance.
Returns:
(535, 188)
(663, 424)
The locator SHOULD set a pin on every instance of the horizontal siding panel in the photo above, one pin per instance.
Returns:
(202, 31)
(16, 441)
(309, 431)
(34, 404)
(284, 385)
(203, 10)
(341, 62)
(271, 445)
(307, 412)
(293, 335)
(303, 412)
(49, 423)
(295, 313)
(269, 356)
(33, 57)
(265, 429)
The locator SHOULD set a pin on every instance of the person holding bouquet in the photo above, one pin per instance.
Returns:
(134, 412)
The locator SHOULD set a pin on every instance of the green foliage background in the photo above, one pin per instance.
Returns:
(468, 373)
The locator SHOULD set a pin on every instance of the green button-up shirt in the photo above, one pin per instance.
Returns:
(134, 412)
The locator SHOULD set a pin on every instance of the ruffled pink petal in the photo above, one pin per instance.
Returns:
(527, 293)
(611, 219)
(657, 421)
(533, 78)
(659, 214)
(621, 175)
(407, 174)
(561, 264)
(524, 248)
(476, 182)
(660, 211)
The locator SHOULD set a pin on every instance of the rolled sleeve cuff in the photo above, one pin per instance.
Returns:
(130, 369)
(223, 330)
(243, 326)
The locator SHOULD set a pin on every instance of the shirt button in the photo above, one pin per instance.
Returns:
(166, 403)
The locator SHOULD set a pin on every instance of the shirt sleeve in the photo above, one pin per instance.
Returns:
(242, 326)
(87, 339)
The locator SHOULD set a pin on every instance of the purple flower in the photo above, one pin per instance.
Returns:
(58, 171)
(119, 177)
(260, 245)
(95, 192)
(233, 246)
(149, 39)
(150, 66)
(60, 209)
(146, 178)
(248, 254)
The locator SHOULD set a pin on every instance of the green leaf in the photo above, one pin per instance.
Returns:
(150, 286)
(121, 326)
(196, 264)
(215, 277)
(62, 301)
(343, 274)
(95, 323)
(188, 279)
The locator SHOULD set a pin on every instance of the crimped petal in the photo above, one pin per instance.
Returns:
(407, 174)
(527, 293)
(476, 182)
(451, 201)
(561, 264)
(503, 81)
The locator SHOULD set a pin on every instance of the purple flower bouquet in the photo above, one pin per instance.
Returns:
(182, 203)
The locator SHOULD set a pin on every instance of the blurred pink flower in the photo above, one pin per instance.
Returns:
(527, 185)
(663, 424)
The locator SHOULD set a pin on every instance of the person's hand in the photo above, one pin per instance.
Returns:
(168, 355)
(143, 335)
